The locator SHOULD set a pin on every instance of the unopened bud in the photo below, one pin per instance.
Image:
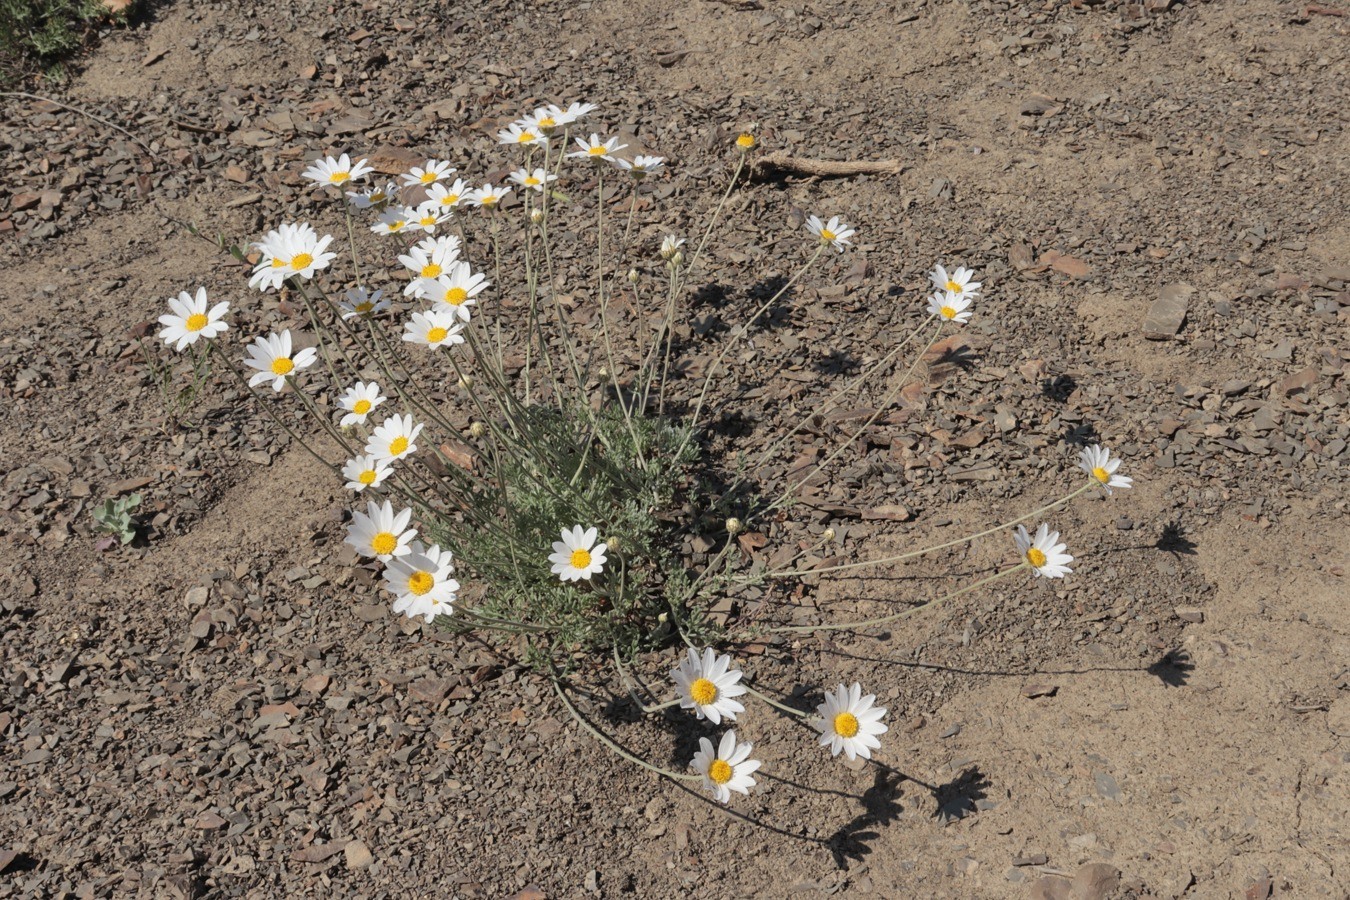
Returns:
(829, 535)
(734, 525)
(662, 618)
(466, 381)
(537, 216)
(612, 543)
(633, 276)
(477, 429)
(602, 373)
(677, 258)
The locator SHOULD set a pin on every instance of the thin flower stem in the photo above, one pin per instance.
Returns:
(267, 408)
(740, 333)
(351, 240)
(828, 405)
(721, 555)
(943, 546)
(630, 684)
(610, 743)
(786, 496)
(717, 211)
(604, 316)
(774, 703)
(632, 208)
(868, 623)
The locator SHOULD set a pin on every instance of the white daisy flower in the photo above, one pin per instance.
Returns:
(642, 166)
(849, 722)
(727, 769)
(574, 112)
(394, 221)
(545, 120)
(432, 172)
(600, 151)
(291, 251)
(374, 196)
(957, 282)
(435, 329)
(1043, 552)
(394, 438)
(444, 248)
(364, 472)
(378, 532)
(271, 356)
(834, 232)
(337, 172)
(448, 197)
(670, 245)
(457, 288)
(358, 400)
(522, 134)
(486, 197)
(707, 686)
(577, 555)
(952, 307)
(1097, 462)
(427, 216)
(535, 180)
(192, 320)
(427, 264)
(421, 582)
(358, 301)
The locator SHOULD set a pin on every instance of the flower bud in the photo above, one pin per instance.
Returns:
(477, 429)
(677, 258)
(829, 535)
(537, 216)
(612, 543)
(602, 373)
(466, 381)
(633, 276)
(734, 525)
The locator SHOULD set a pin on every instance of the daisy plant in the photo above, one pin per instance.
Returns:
(511, 446)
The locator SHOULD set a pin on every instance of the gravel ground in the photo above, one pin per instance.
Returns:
(1153, 194)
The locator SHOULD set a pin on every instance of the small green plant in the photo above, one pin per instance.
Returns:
(116, 517)
(42, 33)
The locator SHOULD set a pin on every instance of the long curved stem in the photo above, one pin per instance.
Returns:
(610, 743)
(868, 623)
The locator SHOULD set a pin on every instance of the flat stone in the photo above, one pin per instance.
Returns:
(1050, 887)
(1106, 785)
(1191, 614)
(1095, 881)
(358, 855)
(1168, 312)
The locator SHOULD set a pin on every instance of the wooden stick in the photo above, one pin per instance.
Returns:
(773, 165)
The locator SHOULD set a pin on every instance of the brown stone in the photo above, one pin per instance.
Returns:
(1168, 312)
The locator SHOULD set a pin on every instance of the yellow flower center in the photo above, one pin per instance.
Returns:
(427, 220)
(339, 177)
(598, 151)
(420, 582)
(1035, 557)
(397, 225)
(384, 543)
(547, 122)
(827, 235)
(720, 771)
(431, 270)
(703, 692)
(846, 724)
(580, 559)
(364, 306)
(428, 177)
(282, 365)
(525, 137)
(456, 295)
(947, 312)
(436, 335)
(531, 181)
(279, 263)
(367, 477)
(398, 445)
(302, 261)
(196, 322)
(378, 196)
(746, 141)
(489, 200)
(361, 407)
(449, 199)
(1101, 474)
(954, 287)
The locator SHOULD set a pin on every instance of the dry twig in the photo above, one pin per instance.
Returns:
(773, 165)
